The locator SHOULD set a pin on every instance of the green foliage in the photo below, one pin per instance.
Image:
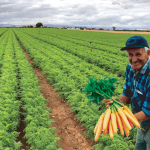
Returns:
(99, 90)
(39, 131)
(9, 105)
(116, 143)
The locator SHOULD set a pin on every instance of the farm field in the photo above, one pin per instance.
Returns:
(67, 58)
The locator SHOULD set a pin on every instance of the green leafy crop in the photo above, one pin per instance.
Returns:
(98, 90)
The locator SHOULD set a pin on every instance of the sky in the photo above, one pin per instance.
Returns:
(126, 14)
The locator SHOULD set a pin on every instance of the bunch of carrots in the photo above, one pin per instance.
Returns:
(116, 116)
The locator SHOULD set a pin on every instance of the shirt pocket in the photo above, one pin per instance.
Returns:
(139, 93)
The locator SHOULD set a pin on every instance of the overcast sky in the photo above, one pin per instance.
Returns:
(96, 13)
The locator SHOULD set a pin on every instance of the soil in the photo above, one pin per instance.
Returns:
(69, 129)
(131, 32)
(20, 130)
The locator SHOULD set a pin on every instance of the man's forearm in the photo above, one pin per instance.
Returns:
(124, 99)
(141, 116)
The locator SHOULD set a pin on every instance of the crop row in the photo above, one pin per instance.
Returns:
(3, 43)
(39, 130)
(100, 38)
(100, 46)
(2, 31)
(101, 59)
(9, 105)
(96, 47)
(62, 58)
(19, 88)
(68, 80)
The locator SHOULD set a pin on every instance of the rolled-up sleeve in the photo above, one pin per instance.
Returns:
(146, 103)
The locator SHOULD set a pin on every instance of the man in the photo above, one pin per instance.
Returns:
(136, 90)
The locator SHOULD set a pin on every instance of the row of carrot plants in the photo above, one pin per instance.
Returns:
(111, 42)
(96, 38)
(39, 131)
(3, 43)
(48, 34)
(2, 31)
(68, 78)
(90, 44)
(95, 57)
(9, 103)
(100, 38)
(86, 69)
(100, 48)
(19, 88)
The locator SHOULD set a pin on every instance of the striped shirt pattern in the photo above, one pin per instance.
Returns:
(137, 89)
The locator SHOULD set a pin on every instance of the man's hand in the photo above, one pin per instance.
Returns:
(108, 102)
(122, 98)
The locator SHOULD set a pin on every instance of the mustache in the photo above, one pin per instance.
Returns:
(135, 62)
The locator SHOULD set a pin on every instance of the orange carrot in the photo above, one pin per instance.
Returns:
(129, 111)
(119, 123)
(99, 128)
(125, 129)
(106, 118)
(131, 124)
(107, 130)
(99, 122)
(135, 122)
(111, 129)
(124, 118)
(114, 122)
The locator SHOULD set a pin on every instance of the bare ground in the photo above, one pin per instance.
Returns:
(68, 127)
(131, 32)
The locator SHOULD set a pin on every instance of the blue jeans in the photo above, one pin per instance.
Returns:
(143, 137)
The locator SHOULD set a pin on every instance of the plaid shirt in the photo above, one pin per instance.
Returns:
(137, 89)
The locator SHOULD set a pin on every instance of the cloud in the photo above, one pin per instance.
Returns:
(115, 3)
(108, 13)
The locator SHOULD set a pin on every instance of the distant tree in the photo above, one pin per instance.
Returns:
(64, 27)
(114, 28)
(30, 26)
(81, 28)
(39, 24)
(101, 29)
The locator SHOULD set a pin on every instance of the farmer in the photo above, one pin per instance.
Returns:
(136, 90)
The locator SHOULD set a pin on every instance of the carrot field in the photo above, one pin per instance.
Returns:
(67, 59)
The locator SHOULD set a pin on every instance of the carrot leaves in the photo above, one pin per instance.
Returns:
(97, 90)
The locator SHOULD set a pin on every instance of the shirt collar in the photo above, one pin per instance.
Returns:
(143, 70)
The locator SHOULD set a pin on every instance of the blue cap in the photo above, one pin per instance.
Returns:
(135, 41)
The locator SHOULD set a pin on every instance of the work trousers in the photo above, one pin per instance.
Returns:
(143, 137)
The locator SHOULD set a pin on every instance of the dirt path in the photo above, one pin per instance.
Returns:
(131, 32)
(20, 129)
(68, 128)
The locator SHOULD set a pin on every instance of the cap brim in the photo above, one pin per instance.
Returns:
(126, 48)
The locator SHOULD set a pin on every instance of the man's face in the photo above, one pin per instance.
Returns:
(137, 57)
